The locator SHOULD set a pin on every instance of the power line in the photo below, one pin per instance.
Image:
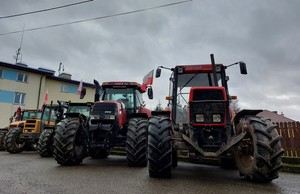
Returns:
(96, 18)
(43, 10)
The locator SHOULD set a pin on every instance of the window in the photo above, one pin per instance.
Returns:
(124, 95)
(19, 98)
(139, 99)
(1, 73)
(64, 88)
(21, 77)
(68, 88)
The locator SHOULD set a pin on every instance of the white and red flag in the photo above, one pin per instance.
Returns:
(80, 88)
(148, 80)
(18, 112)
(45, 98)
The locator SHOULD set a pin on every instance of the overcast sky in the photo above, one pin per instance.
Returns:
(263, 33)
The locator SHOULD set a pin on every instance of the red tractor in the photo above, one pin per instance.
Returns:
(200, 120)
(118, 119)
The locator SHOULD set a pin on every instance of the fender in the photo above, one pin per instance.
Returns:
(161, 113)
(139, 115)
(245, 112)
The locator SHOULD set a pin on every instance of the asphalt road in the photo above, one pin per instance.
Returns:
(29, 173)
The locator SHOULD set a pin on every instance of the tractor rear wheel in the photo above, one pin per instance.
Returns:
(258, 155)
(136, 142)
(2, 136)
(159, 147)
(45, 143)
(70, 142)
(12, 141)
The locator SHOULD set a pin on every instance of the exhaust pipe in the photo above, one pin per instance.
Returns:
(97, 95)
(212, 58)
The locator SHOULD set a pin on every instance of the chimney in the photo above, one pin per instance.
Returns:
(65, 75)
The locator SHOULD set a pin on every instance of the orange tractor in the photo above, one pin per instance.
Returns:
(27, 134)
(201, 122)
(118, 119)
(17, 121)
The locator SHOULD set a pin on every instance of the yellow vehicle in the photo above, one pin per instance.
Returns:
(27, 135)
(18, 122)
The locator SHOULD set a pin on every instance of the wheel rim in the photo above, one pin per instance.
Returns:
(244, 154)
(18, 143)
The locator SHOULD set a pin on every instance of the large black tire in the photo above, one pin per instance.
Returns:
(136, 142)
(258, 155)
(70, 142)
(159, 147)
(2, 136)
(45, 143)
(12, 141)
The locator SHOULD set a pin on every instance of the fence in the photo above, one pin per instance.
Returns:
(290, 133)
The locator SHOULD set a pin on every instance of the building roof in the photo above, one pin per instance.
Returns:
(43, 71)
(274, 116)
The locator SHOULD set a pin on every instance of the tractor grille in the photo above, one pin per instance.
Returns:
(31, 126)
(208, 110)
(104, 109)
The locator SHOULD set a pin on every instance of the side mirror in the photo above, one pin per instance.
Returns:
(243, 68)
(150, 93)
(158, 72)
(83, 92)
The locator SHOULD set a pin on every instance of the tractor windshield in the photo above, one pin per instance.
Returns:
(49, 114)
(85, 110)
(32, 115)
(184, 83)
(125, 95)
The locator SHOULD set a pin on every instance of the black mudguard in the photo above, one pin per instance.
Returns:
(245, 112)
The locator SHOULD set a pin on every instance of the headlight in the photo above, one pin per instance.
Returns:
(199, 118)
(216, 118)
(109, 117)
(95, 117)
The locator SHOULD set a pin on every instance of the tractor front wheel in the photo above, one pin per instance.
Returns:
(12, 141)
(45, 143)
(70, 142)
(136, 142)
(2, 136)
(258, 155)
(159, 147)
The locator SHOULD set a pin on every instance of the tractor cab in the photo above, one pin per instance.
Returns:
(128, 93)
(126, 97)
(196, 93)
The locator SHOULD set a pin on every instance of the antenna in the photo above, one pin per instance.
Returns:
(18, 52)
(61, 68)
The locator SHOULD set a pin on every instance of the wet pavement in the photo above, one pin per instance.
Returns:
(27, 172)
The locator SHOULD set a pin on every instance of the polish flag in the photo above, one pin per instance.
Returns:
(79, 88)
(148, 80)
(45, 98)
(18, 112)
